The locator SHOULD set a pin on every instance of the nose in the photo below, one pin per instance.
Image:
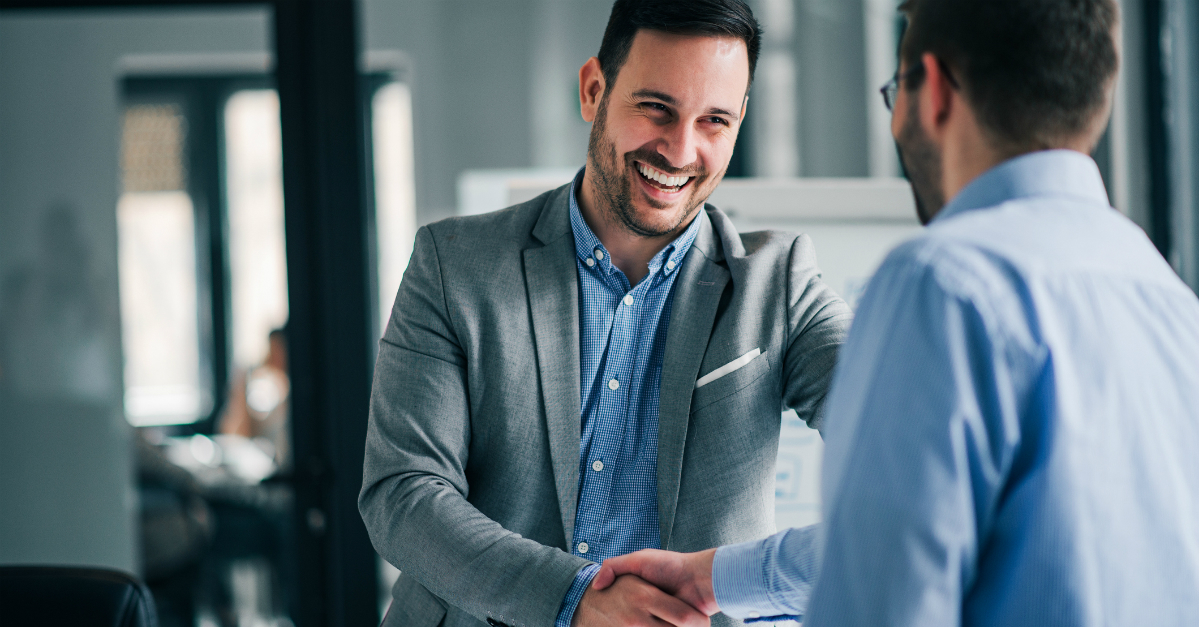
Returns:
(680, 144)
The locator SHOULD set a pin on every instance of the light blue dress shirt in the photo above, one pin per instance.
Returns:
(1011, 438)
(622, 339)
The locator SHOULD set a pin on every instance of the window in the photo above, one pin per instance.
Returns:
(203, 268)
(395, 203)
(157, 262)
(254, 193)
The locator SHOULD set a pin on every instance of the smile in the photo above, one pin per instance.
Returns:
(661, 180)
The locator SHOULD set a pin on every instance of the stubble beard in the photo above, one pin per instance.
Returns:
(614, 189)
(922, 163)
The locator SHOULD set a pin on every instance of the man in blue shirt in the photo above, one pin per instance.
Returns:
(1012, 432)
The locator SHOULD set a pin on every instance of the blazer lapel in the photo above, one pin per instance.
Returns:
(693, 311)
(553, 290)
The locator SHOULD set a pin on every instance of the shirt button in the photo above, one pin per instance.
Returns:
(589, 261)
(597, 465)
(670, 265)
(613, 384)
(754, 615)
(583, 548)
(599, 254)
(628, 300)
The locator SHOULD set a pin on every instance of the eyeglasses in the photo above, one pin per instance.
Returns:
(892, 87)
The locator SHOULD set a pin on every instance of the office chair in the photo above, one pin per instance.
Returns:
(57, 596)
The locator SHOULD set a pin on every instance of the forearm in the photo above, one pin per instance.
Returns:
(429, 531)
(414, 499)
(770, 577)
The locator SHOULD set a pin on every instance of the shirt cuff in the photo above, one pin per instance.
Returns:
(740, 585)
(583, 579)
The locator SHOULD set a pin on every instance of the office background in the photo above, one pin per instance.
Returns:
(155, 211)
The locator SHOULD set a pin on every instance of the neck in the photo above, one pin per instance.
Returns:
(966, 154)
(629, 252)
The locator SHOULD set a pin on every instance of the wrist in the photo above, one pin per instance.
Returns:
(703, 568)
(737, 580)
(579, 587)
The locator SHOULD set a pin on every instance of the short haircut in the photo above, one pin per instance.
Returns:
(714, 18)
(1037, 72)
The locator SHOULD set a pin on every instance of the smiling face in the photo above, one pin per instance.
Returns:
(663, 134)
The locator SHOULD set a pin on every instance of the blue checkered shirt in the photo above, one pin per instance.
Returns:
(622, 338)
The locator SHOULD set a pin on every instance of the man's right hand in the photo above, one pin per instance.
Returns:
(688, 576)
(631, 602)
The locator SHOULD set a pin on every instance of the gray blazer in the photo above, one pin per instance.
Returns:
(472, 457)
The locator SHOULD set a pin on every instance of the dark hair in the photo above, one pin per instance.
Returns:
(1036, 72)
(717, 18)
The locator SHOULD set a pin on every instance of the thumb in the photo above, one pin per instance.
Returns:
(614, 567)
(604, 578)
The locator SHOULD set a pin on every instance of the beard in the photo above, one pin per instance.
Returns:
(922, 164)
(614, 187)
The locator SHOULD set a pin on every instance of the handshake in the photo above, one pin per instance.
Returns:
(650, 587)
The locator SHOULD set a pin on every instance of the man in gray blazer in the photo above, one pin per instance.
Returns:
(600, 369)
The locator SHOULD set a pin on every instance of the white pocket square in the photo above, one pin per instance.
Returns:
(727, 368)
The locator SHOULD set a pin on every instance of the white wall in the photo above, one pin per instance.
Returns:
(66, 472)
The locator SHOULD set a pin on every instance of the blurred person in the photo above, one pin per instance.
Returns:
(257, 406)
(600, 369)
(1012, 432)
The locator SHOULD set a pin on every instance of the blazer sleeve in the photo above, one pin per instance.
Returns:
(818, 321)
(414, 495)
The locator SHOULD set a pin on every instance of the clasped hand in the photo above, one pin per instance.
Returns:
(650, 587)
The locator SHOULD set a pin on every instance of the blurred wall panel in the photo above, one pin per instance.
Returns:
(471, 86)
(66, 475)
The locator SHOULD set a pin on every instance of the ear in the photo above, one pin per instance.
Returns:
(742, 113)
(591, 89)
(937, 97)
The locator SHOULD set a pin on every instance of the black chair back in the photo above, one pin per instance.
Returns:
(57, 596)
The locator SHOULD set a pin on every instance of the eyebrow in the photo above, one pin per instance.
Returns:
(658, 95)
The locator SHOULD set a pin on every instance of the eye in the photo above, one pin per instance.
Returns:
(656, 106)
(717, 120)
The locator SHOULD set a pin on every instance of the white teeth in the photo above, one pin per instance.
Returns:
(662, 179)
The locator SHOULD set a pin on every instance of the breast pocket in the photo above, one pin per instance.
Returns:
(736, 377)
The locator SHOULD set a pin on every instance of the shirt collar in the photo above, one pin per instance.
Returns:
(588, 246)
(1042, 173)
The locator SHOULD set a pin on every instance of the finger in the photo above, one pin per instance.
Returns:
(614, 567)
(676, 612)
(604, 577)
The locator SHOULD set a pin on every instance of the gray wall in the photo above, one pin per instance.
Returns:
(494, 83)
(66, 472)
